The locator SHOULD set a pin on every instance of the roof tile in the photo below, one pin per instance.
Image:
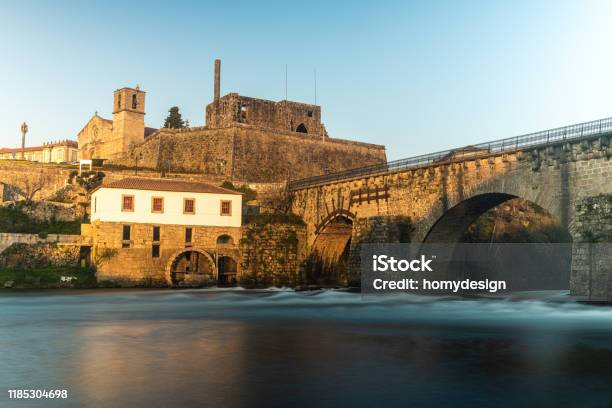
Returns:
(134, 183)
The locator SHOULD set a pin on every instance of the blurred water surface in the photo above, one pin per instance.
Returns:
(164, 348)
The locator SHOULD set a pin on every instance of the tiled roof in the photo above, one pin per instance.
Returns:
(70, 143)
(168, 185)
(18, 149)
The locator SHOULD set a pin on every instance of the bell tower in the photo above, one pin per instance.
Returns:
(128, 119)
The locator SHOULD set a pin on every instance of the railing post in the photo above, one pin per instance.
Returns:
(599, 126)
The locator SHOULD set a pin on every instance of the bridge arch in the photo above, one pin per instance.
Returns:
(330, 250)
(448, 226)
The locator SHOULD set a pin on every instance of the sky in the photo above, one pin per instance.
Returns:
(418, 77)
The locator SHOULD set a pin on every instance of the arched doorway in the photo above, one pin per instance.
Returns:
(330, 253)
(498, 235)
(192, 267)
(301, 128)
(228, 270)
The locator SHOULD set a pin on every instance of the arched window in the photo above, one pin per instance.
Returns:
(301, 128)
(134, 102)
(224, 240)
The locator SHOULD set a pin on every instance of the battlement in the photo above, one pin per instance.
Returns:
(283, 115)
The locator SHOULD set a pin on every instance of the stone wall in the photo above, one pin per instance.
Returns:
(56, 177)
(40, 255)
(19, 175)
(593, 219)
(8, 239)
(282, 115)
(443, 199)
(135, 263)
(273, 254)
(263, 155)
(44, 211)
(250, 153)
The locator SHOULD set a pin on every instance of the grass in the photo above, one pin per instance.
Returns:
(49, 277)
(14, 221)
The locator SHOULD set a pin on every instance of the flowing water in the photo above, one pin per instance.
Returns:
(280, 348)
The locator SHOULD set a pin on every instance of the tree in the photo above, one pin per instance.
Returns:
(174, 119)
(30, 185)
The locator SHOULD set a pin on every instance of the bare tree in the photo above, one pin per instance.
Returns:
(30, 185)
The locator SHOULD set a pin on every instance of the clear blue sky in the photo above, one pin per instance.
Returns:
(415, 76)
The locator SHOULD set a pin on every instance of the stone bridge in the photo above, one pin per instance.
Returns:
(434, 198)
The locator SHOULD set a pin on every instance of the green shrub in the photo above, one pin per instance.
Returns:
(15, 221)
(49, 277)
(248, 193)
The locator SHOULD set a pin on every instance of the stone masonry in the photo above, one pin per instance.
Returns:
(442, 199)
(132, 263)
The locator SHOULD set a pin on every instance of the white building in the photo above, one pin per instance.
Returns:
(166, 202)
(153, 231)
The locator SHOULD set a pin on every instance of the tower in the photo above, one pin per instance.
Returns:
(128, 119)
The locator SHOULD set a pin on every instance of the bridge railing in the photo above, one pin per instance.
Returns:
(510, 144)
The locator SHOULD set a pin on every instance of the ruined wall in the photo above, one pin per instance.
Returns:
(273, 254)
(283, 115)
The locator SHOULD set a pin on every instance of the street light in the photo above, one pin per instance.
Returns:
(137, 156)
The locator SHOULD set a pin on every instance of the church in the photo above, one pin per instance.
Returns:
(244, 138)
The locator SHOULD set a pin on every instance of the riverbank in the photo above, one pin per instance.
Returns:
(48, 278)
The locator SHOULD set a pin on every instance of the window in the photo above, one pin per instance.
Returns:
(156, 234)
(118, 101)
(155, 251)
(127, 203)
(188, 235)
(157, 204)
(226, 207)
(310, 114)
(224, 240)
(134, 102)
(189, 206)
(243, 113)
(126, 236)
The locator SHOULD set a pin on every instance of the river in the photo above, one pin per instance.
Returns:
(163, 348)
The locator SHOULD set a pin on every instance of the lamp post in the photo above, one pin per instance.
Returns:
(24, 130)
(137, 156)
